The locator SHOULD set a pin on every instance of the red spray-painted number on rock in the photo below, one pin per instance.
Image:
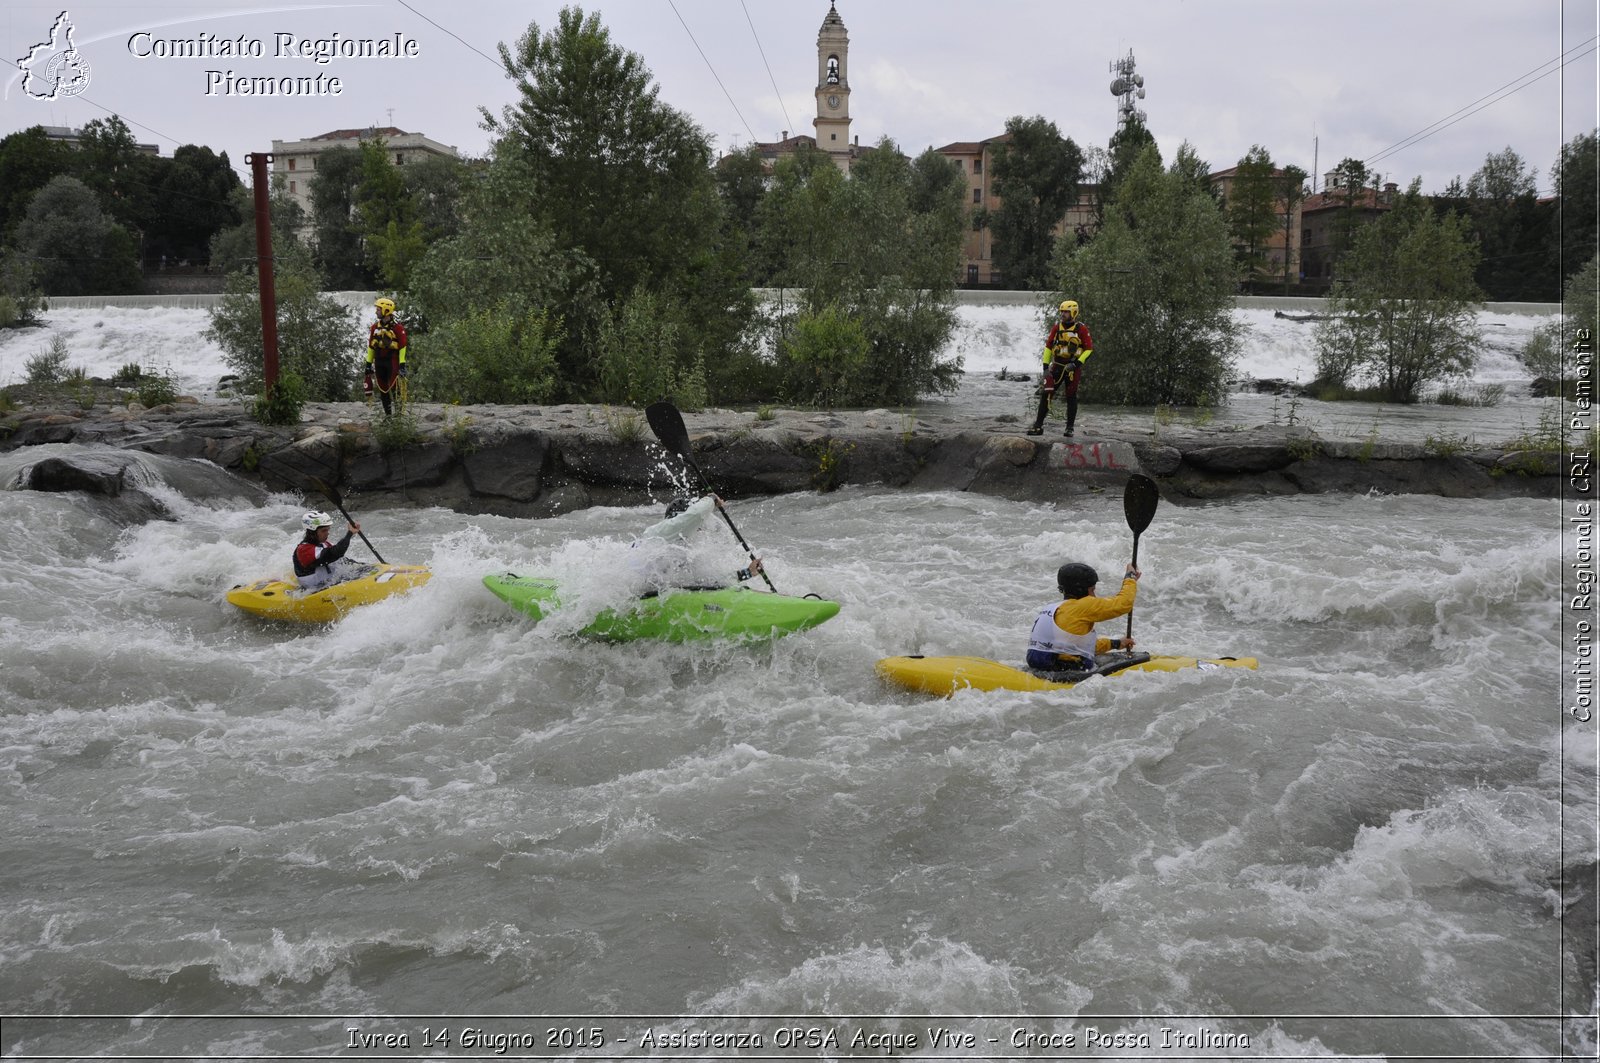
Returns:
(1091, 457)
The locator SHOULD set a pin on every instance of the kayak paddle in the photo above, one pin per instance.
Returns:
(667, 423)
(1139, 501)
(338, 503)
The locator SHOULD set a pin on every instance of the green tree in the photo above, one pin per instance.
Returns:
(628, 374)
(20, 299)
(1252, 207)
(319, 340)
(196, 198)
(825, 356)
(1401, 314)
(234, 248)
(28, 160)
(500, 354)
(1512, 230)
(741, 185)
(1036, 175)
(74, 248)
(860, 247)
(1552, 352)
(435, 184)
(1576, 176)
(1292, 192)
(1156, 286)
(624, 184)
(387, 217)
(1122, 151)
(1347, 188)
(335, 241)
(109, 161)
(503, 255)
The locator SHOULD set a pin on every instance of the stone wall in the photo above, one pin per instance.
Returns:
(544, 460)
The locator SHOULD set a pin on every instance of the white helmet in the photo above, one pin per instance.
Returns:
(315, 520)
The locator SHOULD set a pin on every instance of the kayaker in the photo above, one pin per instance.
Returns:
(1063, 637)
(314, 556)
(1066, 348)
(666, 557)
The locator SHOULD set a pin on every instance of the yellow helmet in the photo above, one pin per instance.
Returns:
(1070, 307)
(385, 306)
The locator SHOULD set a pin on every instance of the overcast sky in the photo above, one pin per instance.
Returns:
(1416, 88)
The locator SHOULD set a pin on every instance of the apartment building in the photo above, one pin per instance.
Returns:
(296, 160)
(1323, 216)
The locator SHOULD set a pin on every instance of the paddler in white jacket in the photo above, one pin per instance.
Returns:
(1063, 637)
(665, 556)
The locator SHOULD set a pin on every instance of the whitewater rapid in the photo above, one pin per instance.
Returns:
(247, 840)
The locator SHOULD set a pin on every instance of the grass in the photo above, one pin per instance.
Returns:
(1546, 436)
(458, 431)
(833, 460)
(396, 430)
(626, 426)
(49, 366)
(157, 389)
(1483, 396)
(1446, 446)
(1370, 444)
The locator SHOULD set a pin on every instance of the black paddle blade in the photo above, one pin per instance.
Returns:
(327, 490)
(667, 423)
(1139, 501)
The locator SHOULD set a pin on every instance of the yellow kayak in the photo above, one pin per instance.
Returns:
(279, 598)
(946, 675)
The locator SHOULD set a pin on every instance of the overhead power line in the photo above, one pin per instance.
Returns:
(1510, 88)
(444, 29)
(787, 120)
(713, 70)
(174, 141)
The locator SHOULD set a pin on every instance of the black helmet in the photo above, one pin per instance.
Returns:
(676, 506)
(1076, 580)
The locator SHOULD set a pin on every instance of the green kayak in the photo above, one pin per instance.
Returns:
(675, 615)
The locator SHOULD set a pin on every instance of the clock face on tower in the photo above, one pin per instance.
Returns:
(833, 101)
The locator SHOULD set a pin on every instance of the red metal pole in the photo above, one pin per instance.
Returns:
(269, 294)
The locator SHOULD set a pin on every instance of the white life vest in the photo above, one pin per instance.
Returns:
(1048, 638)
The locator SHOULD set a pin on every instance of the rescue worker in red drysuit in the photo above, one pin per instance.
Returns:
(386, 353)
(1067, 347)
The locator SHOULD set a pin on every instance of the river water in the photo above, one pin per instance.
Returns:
(223, 838)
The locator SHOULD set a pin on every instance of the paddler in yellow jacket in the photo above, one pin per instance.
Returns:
(1063, 637)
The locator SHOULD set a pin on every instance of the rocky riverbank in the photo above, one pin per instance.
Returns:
(544, 460)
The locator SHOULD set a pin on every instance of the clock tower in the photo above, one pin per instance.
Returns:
(833, 89)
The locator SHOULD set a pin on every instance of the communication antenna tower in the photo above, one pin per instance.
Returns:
(1127, 87)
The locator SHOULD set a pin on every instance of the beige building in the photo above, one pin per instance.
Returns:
(73, 138)
(1283, 249)
(975, 159)
(1325, 213)
(296, 160)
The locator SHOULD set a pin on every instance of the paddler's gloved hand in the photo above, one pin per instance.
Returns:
(403, 371)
